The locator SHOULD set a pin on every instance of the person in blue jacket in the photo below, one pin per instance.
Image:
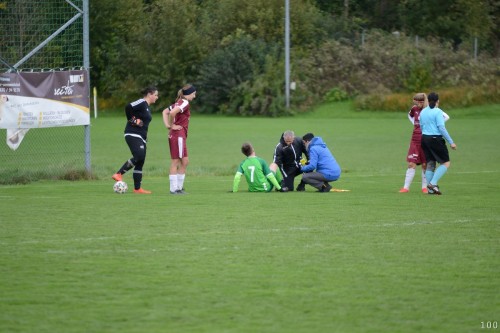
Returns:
(322, 167)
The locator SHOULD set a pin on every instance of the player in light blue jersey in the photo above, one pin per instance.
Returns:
(434, 134)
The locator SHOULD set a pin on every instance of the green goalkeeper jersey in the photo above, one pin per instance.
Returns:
(258, 175)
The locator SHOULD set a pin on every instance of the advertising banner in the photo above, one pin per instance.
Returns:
(41, 100)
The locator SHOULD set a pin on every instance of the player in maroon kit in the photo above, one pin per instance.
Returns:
(176, 119)
(416, 155)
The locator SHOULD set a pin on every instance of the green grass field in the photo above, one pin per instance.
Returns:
(76, 257)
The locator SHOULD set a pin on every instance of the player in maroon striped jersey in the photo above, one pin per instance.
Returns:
(415, 154)
(176, 119)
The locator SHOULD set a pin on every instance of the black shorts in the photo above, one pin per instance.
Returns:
(137, 148)
(435, 149)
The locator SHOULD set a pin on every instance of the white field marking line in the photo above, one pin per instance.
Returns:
(160, 235)
(336, 226)
(168, 248)
(423, 222)
(69, 240)
(24, 196)
(94, 251)
(248, 231)
(83, 240)
(312, 245)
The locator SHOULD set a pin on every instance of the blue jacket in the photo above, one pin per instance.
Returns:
(322, 160)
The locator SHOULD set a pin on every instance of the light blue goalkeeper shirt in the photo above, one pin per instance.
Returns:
(432, 123)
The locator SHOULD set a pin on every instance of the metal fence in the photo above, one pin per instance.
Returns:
(44, 35)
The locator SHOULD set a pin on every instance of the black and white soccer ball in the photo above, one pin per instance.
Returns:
(120, 187)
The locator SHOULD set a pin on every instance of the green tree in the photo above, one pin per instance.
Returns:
(442, 19)
(173, 46)
(116, 33)
(243, 70)
(228, 70)
(479, 19)
(234, 49)
(261, 19)
(135, 44)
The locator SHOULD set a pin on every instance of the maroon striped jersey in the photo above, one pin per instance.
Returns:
(182, 117)
(414, 116)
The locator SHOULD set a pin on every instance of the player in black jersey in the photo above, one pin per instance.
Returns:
(136, 134)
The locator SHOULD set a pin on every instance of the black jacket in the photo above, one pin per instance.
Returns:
(140, 110)
(289, 156)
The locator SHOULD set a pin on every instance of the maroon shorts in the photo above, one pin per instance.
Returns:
(177, 143)
(416, 153)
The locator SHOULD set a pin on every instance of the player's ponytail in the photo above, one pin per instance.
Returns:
(188, 89)
(433, 98)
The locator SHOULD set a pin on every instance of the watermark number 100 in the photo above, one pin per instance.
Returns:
(489, 324)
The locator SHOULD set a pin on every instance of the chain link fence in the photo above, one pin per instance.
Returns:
(38, 36)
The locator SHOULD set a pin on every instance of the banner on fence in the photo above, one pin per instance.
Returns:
(44, 99)
(41, 100)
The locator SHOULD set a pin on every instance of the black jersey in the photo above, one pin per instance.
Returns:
(140, 110)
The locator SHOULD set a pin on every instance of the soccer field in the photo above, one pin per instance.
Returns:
(76, 257)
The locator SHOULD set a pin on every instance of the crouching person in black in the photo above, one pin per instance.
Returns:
(287, 156)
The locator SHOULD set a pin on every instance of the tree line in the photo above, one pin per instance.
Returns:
(233, 50)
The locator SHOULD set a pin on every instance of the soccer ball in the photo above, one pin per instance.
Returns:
(120, 187)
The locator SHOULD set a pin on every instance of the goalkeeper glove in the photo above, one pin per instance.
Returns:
(136, 121)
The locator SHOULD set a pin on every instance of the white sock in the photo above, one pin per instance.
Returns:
(410, 173)
(424, 180)
(180, 181)
(173, 183)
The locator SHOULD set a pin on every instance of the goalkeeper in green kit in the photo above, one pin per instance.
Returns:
(257, 173)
